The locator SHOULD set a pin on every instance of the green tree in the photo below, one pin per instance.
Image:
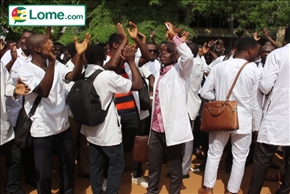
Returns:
(102, 16)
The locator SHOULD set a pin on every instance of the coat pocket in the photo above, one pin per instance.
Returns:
(180, 130)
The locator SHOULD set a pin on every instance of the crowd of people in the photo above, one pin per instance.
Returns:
(180, 77)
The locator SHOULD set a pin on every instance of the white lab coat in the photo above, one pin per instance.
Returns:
(194, 100)
(275, 126)
(7, 89)
(173, 93)
(13, 106)
(245, 91)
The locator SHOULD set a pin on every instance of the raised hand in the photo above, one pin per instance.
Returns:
(134, 31)
(204, 49)
(47, 51)
(128, 53)
(21, 88)
(2, 45)
(267, 33)
(121, 32)
(144, 38)
(134, 46)
(256, 36)
(48, 32)
(184, 37)
(14, 52)
(82, 47)
(170, 32)
(152, 34)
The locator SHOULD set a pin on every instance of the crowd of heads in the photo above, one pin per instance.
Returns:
(64, 53)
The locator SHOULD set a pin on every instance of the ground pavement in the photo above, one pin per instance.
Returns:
(190, 185)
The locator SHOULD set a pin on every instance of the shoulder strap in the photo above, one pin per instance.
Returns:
(235, 81)
(110, 103)
(35, 104)
(94, 75)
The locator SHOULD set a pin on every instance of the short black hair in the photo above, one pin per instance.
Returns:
(246, 43)
(9, 42)
(58, 44)
(153, 43)
(193, 47)
(30, 31)
(170, 46)
(287, 34)
(164, 42)
(71, 49)
(114, 38)
(95, 54)
(236, 43)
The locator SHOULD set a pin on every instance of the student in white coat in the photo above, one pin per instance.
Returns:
(245, 91)
(7, 144)
(275, 126)
(170, 126)
(193, 105)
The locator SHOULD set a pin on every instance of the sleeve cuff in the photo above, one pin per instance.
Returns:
(177, 41)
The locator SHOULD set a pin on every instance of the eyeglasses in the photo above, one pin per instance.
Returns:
(154, 51)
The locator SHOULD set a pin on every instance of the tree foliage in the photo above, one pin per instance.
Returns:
(102, 16)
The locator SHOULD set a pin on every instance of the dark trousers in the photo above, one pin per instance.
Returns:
(28, 163)
(197, 133)
(115, 156)
(130, 128)
(62, 145)
(156, 150)
(262, 158)
(12, 156)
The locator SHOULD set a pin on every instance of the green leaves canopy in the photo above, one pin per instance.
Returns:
(102, 16)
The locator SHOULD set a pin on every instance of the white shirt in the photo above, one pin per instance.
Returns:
(107, 59)
(245, 91)
(275, 126)
(260, 66)
(51, 115)
(70, 84)
(106, 84)
(194, 101)
(154, 66)
(135, 93)
(13, 106)
(7, 89)
(214, 62)
(204, 63)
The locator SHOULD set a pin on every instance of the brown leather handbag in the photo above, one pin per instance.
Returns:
(140, 149)
(221, 115)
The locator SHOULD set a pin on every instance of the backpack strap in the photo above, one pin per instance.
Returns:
(94, 75)
(110, 103)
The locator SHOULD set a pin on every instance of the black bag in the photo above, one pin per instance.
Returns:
(23, 137)
(144, 96)
(84, 102)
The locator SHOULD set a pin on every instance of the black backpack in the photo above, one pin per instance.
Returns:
(84, 102)
(144, 96)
